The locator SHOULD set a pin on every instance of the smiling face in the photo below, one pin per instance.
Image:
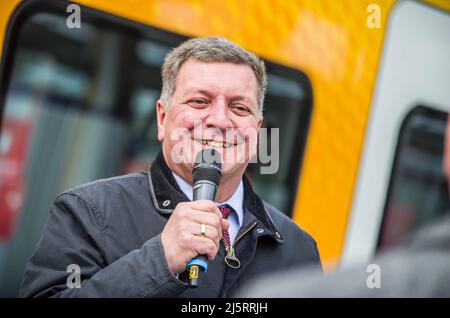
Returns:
(214, 105)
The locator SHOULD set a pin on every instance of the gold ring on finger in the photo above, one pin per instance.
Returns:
(203, 229)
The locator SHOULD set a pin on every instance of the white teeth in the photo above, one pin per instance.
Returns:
(216, 144)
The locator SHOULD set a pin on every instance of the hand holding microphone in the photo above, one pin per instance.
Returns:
(182, 236)
(206, 179)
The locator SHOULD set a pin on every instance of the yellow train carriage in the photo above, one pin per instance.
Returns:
(358, 90)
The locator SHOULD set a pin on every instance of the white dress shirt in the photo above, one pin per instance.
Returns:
(236, 201)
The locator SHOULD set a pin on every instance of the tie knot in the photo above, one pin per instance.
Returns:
(226, 210)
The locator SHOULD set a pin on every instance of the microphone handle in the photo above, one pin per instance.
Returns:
(202, 190)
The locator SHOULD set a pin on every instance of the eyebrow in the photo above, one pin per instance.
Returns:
(239, 97)
(233, 99)
(198, 90)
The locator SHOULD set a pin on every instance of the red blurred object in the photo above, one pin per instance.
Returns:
(399, 222)
(13, 154)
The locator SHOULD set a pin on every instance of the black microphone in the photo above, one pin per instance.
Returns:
(206, 178)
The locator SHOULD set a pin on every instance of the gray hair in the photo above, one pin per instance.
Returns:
(211, 49)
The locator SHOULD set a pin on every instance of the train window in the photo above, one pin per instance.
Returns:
(79, 104)
(287, 109)
(418, 189)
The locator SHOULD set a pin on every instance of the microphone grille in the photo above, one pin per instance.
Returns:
(207, 166)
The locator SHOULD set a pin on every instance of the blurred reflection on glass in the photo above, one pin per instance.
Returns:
(418, 191)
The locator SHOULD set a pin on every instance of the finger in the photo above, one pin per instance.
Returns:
(225, 224)
(205, 246)
(209, 209)
(203, 205)
(206, 218)
(210, 233)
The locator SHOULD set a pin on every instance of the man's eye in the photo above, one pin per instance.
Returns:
(240, 110)
(199, 101)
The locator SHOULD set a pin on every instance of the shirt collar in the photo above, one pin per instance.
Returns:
(236, 201)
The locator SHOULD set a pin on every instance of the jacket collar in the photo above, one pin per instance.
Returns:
(166, 194)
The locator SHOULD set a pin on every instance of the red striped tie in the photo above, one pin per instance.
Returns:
(226, 211)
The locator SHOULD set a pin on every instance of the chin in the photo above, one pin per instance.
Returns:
(229, 170)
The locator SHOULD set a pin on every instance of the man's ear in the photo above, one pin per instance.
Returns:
(160, 117)
(260, 121)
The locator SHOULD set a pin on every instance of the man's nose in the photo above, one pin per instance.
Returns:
(218, 116)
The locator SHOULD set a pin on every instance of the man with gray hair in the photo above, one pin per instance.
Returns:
(133, 236)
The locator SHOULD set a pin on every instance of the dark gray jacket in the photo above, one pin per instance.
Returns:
(111, 229)
(419, 267)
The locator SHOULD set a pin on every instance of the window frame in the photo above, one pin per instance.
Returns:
(28, 8)
(421, 109)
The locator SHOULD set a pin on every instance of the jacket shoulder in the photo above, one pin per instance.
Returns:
(108, 184)
(108, 197)
(285, 224)
(294, 236)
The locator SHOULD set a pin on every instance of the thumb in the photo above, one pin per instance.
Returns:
(225, 224)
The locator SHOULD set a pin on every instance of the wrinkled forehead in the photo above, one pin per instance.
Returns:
(217, 78)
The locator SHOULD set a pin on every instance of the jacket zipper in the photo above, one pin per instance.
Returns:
(230, 258)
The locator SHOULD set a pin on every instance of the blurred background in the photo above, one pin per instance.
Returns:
(360, 93)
